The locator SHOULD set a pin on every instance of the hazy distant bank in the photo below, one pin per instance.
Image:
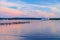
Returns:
(29, 18)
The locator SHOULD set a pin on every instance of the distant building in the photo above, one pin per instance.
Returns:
(44, 19)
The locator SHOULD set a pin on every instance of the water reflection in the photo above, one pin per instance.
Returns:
(35, 30)
(10, 23)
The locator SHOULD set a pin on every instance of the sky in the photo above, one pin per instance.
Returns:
(30, 8)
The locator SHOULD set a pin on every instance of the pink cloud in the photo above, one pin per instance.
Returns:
(9, 12)
(39, 13)
(45, 14)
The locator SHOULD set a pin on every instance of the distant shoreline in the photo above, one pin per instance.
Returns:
(29, 18)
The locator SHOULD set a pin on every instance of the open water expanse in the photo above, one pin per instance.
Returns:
(35, 30)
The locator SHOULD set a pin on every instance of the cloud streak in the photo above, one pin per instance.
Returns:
(24, 9)
(8, 12)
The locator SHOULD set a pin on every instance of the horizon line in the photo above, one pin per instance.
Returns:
(29, 18)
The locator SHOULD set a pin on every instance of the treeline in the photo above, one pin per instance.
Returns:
(54, 18)
(29, 18)
(20, 18)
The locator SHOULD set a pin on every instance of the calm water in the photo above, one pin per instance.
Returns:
(35, 30)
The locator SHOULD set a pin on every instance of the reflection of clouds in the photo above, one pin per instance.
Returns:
(8, 32)
(8, 29)
(45, 26)
(36, 26)
(52, 26)
(8, 38)
(32, 31)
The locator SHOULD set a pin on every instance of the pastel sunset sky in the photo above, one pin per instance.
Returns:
(30, 8)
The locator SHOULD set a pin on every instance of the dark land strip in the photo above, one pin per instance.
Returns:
(29, 18)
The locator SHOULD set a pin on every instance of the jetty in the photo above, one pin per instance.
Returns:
(10, 23)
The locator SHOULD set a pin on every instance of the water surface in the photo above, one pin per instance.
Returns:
(35, 30)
